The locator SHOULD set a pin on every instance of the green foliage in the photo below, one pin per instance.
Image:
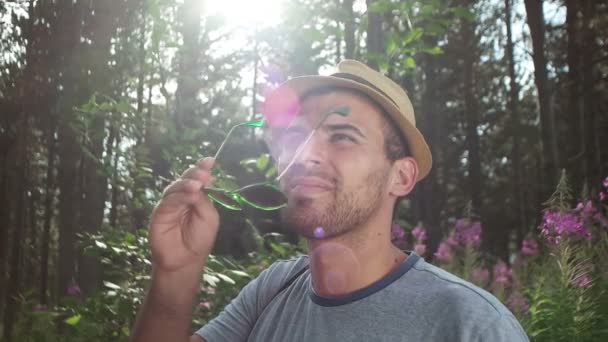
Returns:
(562, 198)
(109, 314)
(559, 309)
(558, 292)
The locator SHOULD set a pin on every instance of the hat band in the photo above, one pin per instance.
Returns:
(364, 82)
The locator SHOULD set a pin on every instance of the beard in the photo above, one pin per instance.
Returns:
(338, 212)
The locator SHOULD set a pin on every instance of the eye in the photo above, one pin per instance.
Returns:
(340, 137)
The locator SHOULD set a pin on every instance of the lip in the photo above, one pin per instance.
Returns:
(308, 185)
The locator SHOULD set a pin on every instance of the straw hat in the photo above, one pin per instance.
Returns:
(388, 94)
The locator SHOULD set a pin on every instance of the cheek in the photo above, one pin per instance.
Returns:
(354, 168)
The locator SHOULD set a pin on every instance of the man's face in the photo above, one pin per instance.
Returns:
(339, 179)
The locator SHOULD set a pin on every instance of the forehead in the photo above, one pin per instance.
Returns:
(364, 112)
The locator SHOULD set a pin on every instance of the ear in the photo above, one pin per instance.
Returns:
(403, 176)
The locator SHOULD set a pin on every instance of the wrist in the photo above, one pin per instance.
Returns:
(175, 290)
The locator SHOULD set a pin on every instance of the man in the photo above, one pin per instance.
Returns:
(343, 175)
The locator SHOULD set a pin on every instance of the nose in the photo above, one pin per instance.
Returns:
(311, 153)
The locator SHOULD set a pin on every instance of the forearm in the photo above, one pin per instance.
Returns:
(167, 310)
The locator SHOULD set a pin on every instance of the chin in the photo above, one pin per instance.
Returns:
(310, 222)
(303, 218)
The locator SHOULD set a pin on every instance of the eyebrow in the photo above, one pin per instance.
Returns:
(349, 127)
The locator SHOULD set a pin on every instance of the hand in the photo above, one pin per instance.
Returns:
(184, 223)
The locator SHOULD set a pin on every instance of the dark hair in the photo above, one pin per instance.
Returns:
(395, 145)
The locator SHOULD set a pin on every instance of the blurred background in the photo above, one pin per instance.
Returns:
(103, 103)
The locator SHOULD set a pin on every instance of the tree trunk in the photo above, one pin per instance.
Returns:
(349, 29)
(375, 36)
(69, 26)
(101, 27)
(591, 151)
(115, 182)
(188, 84)
(48, 216)
(536, 23)
(139, 211)
(573, 117)
(12, 294)
(471, 112)
(429, 200)
(518, 196)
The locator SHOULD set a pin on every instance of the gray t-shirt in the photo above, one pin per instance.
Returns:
(416, 302)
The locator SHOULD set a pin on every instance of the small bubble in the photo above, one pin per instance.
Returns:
(319, 232)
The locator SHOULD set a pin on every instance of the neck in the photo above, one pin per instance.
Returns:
(346, 263)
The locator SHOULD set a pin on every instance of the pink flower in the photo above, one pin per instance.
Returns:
(420, 248)
(444, 252)
(517, 302)
(397, 232)
(582, 281)
(205, 305)
(480, 275)
(602, 196)
(419, 234)
(529, 247)
(605, 183)
(468, 232)
(586, 209)
(73, 289)
(452, 241)
(557, 224)
(502, 274)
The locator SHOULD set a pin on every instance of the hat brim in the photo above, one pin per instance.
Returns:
(416, 143)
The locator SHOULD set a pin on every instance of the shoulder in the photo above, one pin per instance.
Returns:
(282, 270)
(455, 289)
(464, 304)
(277, 274)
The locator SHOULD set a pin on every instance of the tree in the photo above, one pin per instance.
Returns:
(536, 23)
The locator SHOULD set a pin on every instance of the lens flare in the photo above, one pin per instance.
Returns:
(319, 232)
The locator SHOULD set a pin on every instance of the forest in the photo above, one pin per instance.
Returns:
(103, 103)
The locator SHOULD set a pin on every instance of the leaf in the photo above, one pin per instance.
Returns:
(278, 248)
(249, 161)
(413, 35)
(89, 106)
(391, 45)
(240, 273)
(210, 279)
(262, 161)
(111, 285)
(101, 245)
(409, 63)
(73, 320)
(124, 107)
(271, 172)
(226, 278)
(436, 50)
(117, 250)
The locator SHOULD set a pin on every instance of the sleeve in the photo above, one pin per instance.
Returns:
(502, 329)
(238, 318)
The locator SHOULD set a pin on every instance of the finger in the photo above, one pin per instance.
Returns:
(176, 201)
(205, 163)
(198, 174)
(183, 185)
(204, 206)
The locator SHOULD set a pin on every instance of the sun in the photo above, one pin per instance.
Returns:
(247, 13)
